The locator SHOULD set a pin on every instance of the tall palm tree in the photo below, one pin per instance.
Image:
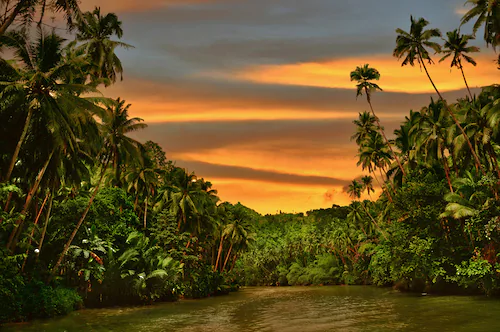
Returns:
(367, 182)
(143, 181)
(181, 197)
(115, 127)
(364, 75)
(95, 31)
(10, 11)
(38, 82)
(456, 45)
(365, 126)
(432, 139)
(354, 191)
(57, 115)
(412, 46)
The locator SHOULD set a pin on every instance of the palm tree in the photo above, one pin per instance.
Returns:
(143, 180)
(354, 190)
(431, 142)
(488, 13)
(365, 126)
(373, 154)
(38, 82)
(24, 9)
(367, 182)
(412, 46)
(57, 115)
(364, 75)
(116, 125)
(456, 45)
(95, 30)
(181, 196)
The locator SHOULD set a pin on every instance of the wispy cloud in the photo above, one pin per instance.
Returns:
(394, 78)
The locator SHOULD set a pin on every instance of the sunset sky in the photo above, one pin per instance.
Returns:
(254, 95)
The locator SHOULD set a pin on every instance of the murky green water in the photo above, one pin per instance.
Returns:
(339, 308)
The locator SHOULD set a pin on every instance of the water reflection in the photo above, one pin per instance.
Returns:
(301, 309)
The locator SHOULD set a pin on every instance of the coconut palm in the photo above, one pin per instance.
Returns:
(143, 181)
(456, 45)
(180, 196)
(431, 143)
(121, 148)
(57, 116)
(367, 182)
(488, 13)
(38, 83)
(25, 10)
(365, 126)
(364, 75)
(413, 47)
(95, 31)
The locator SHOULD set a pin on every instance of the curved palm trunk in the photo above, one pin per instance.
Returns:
(234, 262)
(382, 132)
(11, 18)
(373, 220)
(80, 222)
(473, 152)
(33, 230)
(447, 171)
(47, 217)
(465, 81)
(227, 257)
(19, 143)
(145, 211)
(219, 253)
(382, 187)
(11, 243)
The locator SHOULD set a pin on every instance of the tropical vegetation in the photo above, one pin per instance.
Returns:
(90, 216)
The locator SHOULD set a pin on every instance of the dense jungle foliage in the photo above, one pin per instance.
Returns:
(90, 216)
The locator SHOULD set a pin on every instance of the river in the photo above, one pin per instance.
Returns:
(290, 309)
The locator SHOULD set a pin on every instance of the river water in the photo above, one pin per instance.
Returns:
(290, 309)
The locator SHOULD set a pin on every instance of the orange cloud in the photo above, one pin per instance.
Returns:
(158, 102)
(394, 78)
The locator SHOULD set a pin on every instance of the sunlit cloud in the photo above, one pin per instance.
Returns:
(461, 10)
(394, 78)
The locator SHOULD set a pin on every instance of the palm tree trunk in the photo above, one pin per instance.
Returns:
(80, 222)
(463, 75)
(219, 253)
(33, 230)
(382, 188)
(19, 142)
(383, 133)
(447, 173)
(234, 262)
(228, 255)
(11, 243)
(47, 217)
(473, 152)
(145, 211)
(7, 203)
(42, 15)
(373, 220)
(11, 17)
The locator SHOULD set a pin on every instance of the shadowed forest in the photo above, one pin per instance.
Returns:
(91, 217)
